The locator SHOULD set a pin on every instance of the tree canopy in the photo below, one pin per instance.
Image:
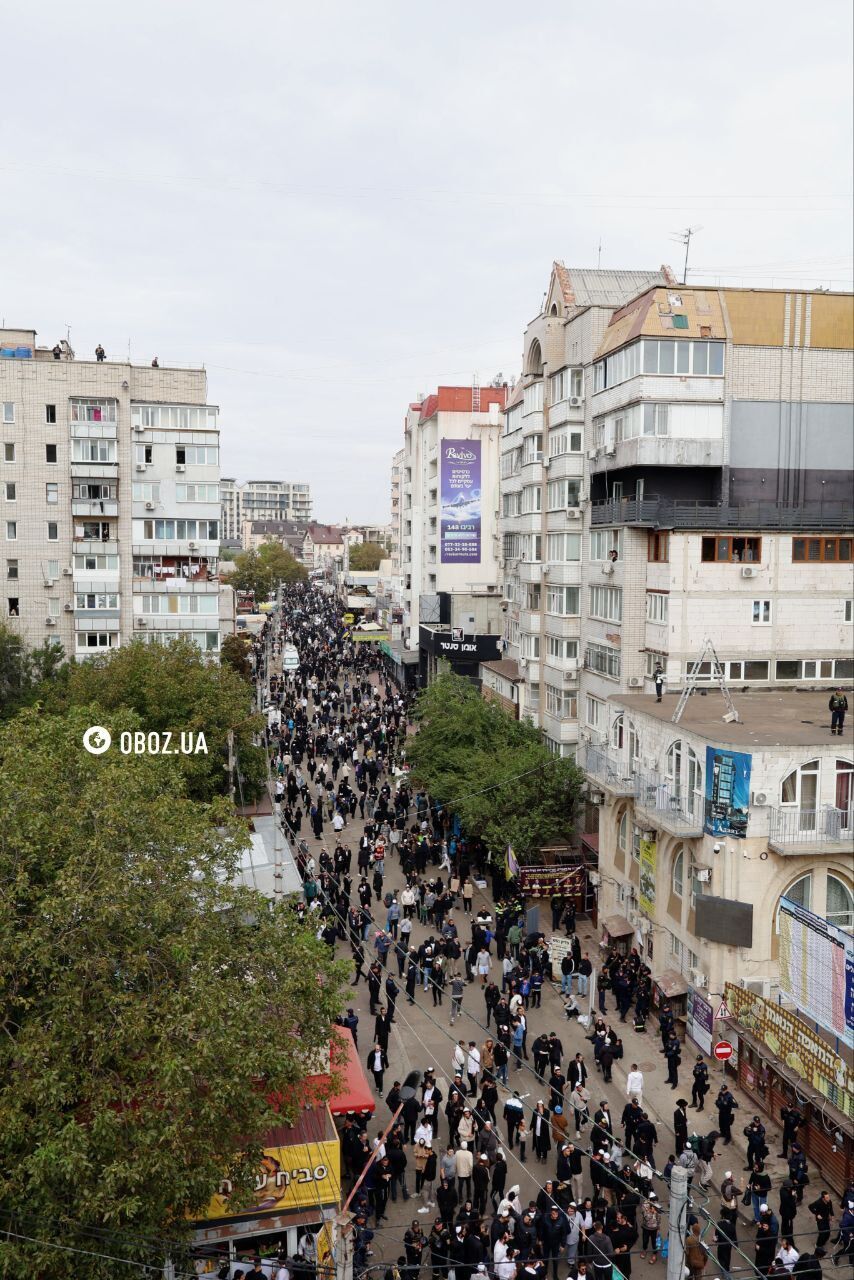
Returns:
(234, 651)
(366, 556)
(145, 1000)
(261, 571)
(492, 770)
(23, 671)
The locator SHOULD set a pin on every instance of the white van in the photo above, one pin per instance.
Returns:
(290, 658)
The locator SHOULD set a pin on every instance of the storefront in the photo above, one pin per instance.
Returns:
(671, 986)
(399, 663)
(464, 653)
(782, 1062)
(617, 933)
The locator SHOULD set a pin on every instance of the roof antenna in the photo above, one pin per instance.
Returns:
(599, 259)
(68, 333)
(684, 237)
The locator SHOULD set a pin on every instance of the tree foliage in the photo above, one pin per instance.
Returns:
(235, 653)
(492, 770)
(24, 671)
(366, 556)
(144, 1000)
(261, 571)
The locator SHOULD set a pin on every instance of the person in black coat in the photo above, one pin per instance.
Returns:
(680, 1124)
(377, 1064)
(726, 1105)
(552, 1232)
(725, 1238)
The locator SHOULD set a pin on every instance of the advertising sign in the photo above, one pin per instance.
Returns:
(647, 876)
(291, 1177)
(700, 1021)
(542, 882)
(794, 1043)
(727, 792)
(816, 968)
(460, 498)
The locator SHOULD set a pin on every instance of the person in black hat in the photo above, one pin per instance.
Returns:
(680, 1124)
(700, 1087)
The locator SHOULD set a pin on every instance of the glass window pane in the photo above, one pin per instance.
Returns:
(650, 356)
(814, 548)
(716, 357)
(683, 356)
(666, 356)
(701, 358)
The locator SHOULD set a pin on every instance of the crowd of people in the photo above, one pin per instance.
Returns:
(337, 733)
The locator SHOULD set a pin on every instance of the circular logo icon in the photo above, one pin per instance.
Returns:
(97, 740)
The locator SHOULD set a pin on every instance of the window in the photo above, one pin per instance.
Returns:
(595, 712)
(616, 368)
(563, 493)
(53, 568)
(12, 570)
(175, 416)
(11, 491)
(849, 611)
(143, 454)
(762, 612)
(96, 563)
(13, 606)
(8, 411)
(97, 640)
(93, 451)
(93, 490)
(623, 831)
(680, 356)
(532, 499)
(564, 441)
(93, 411)
(840, 903)
(180, 530)
(11, 530)
(562, 548)
(604, 541)
(96, 600)
(737, 550)
(656, 606)
(678, 875)
(563, 601)
(50, 413)
(532, 449)
(93, 531)
(199, 492)
(511, 504)
(832, 550)
(606, 603)
(8, 452)
(530, 646)
(148, 492)
(50, 453)
(52, 531)
(51, 493)
(799, 791)
(603, 659)
(560, 703)
(564, 383)
(656, 419)
(657, 548)
(532, 398)
(637, 836)
(560, 649)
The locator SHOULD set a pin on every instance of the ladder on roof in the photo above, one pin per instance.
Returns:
(475, 395)
(718, 677)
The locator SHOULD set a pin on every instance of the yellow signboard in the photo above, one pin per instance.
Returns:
(348, 618)
(648, 853)
(373, 636)
(292, 1177)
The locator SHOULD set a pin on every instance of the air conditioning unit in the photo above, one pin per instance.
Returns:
(179, 466)
(749, 571)
(571, 668)
(68, 608)
(576, 401)
(50, 622)
(704, 875)
(137, 426)
(592, 454)
(547, 462)
(607, 568)
(140, 466)
(573, 513)
(699, 979)
(50, 582)
(149, 506)
(759, 986)
(569, 677)
(759, 798)
(635, 682)
(192, 547)
(142, 622)
(610, 451)
(67, 572)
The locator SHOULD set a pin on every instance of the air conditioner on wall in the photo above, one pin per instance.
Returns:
(759, 986)
(698, 979)
(759, 798)
(50, 622)
(67, 572)
(149, 506)
(576, 401)
(179, 466)
(749, 571)
(140, 466)
(69, 608)
(142, 622)
(573, 513)
(137, 426)
(592, 454)
(547, 462)
(607, 568)
(635, 682)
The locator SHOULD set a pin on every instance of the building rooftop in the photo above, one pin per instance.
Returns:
(460, 399)
(593, 287)
(506, 667)
(769, 717)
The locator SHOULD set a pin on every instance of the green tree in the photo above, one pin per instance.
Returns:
(366, 556)
(173, 687)
(492, 770)
(145, 999)
(24, 673)
(235, 652)
(261, 571)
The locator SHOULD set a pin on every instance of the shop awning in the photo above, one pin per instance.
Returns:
(355, 1092)
(617, 926)
(672, 983)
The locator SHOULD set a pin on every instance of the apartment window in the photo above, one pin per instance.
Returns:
(810, 669)
(53, 606)
(93, 491)
(561, 649)
(13, 606)
(11, 530)
(11, 491)
(146, 492)
(93, 451)
(533, 599)
(8, 411)
(637, 836)
(50, 453)
(563, 493)
(94, 563)
(174, 416)
(511, 504)
(8, 451)
(563, 601)
(617, 367)
(656, 606)
(97, 640)
(656, 419)
(679, 356)
(197, 492)
(562, 548)
(566, 383)
(606, 603)
(532, 499)
(93, 411)
(197, 454)
(52, 531)
(144, 454)
(655, 659)
(604, 660)
(97, 600)
(849, 610)
(51, 493)
(564, 441)
(623, 832)
(530, 646)
(594, 711)
(53, 568)
(12, 570)
(761, 612)
(532, 398)
(561, 703)
(604, 541)
(657, 548)
(532, 449)
(830, 550)
(50, 413)
(678, 877)
(727, 549)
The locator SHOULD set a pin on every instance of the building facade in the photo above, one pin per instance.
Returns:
(109, 484)
(256, 500)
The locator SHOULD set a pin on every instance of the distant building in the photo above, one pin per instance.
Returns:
(290, 534)
(263, 500)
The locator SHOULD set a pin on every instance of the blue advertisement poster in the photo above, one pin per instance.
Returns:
(461, 502)
(727, 792)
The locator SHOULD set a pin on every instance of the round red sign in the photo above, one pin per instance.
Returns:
(723, 1050)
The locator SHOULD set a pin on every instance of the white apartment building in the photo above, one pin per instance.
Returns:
(256, 500)
(396, 584)
(109, 497)
(449, 516)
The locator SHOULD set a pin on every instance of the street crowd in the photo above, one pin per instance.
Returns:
(337, 737)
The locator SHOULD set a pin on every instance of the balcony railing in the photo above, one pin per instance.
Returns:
(609, 771)
(790, 829)
(664, 804)
(663, 513)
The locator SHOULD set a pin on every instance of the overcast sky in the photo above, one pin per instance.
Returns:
(336, 206)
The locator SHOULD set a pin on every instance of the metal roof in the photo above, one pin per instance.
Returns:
(594, 288)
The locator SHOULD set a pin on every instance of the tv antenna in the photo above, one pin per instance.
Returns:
(684, 237)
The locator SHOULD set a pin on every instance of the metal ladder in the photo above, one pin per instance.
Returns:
(717, 675)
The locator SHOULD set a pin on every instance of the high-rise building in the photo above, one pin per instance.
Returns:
(256, 500)
(395, 549)
(109, 499)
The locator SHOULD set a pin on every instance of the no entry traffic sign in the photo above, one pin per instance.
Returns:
(723, 1050)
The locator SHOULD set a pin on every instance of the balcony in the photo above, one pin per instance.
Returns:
(659, 451)
(530, 571)
(804, 831)
(94, 507)
(662, 513)
(610, 772)
(529, 621)
(667, 807)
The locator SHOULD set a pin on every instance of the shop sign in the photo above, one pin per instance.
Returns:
(289, 1177)
(792, 1041)
(700, 1021)
(647, 877)
(542, 882)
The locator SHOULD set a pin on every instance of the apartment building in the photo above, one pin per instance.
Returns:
(396, 526)
(109, 488)
(256, 500)
(449, 516)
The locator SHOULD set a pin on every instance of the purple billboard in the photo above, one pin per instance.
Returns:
(461, 502)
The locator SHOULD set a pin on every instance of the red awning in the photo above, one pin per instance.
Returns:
(355, 1093)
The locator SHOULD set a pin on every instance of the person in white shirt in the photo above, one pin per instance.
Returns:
(459, 1057)
(424, 1131)
(634, 1084)
(788, 1254)
(473, 1065)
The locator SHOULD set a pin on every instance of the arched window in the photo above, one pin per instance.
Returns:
(553, 311)
(843, 796)
(800, 891)
(617, 733)
(634, 745)
(694, 778)
(535, 358)
(678, 876)
(840, 903)
(623, 831)
(799, 792)
(673, 767)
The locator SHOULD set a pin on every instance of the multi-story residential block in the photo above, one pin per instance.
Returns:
(262, 500)
(395, 535)
(287, 532)
(109, 488)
